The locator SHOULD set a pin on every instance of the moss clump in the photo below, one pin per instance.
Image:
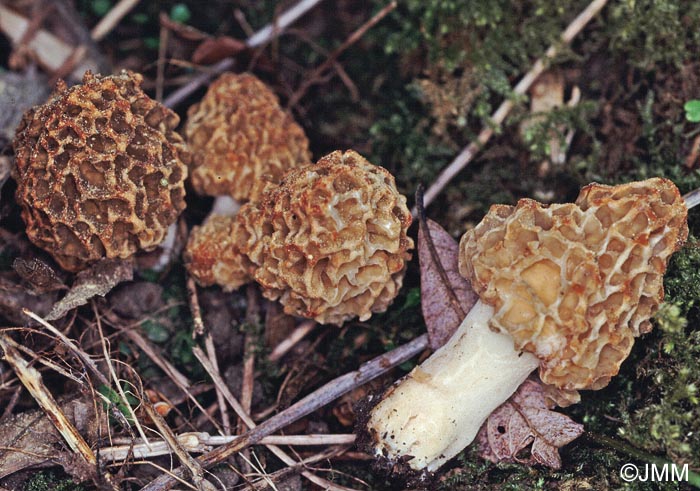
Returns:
(668, 423)
(51, 481)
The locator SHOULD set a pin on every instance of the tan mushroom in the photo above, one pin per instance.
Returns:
(564, 287)
(100, 171)
(329, 242)
(238, 133)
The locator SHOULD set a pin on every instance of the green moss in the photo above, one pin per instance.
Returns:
(51, 481)
(653, 32)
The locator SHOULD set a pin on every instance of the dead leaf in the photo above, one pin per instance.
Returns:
(30, 440)
(39, 274)
(14, 297)
(99, 279)
(213, 50)
(526, 420)
(446, 297)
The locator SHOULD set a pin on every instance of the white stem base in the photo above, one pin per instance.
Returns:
(437, 409)
(225, 205)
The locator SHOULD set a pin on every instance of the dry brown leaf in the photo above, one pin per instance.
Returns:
(526, 420)
(29, 439)
(99, 279)
(446, 297)
(39, 274)
(213, 50)
(14, 297)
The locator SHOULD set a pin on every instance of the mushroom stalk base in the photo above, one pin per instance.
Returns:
(437, 409)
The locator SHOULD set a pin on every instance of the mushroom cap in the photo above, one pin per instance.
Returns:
(211, 256)
(576, 283)
(238, 133)
(330, 241)
(100, 170)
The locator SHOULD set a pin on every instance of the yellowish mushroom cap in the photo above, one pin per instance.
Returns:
(330, 241)
(211, 256)
(238, 133)
(576, 283)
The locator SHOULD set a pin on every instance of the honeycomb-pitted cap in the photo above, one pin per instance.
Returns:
(576, 283)
(211, 256)
(239, 133)
(330, 241)
(100, 170)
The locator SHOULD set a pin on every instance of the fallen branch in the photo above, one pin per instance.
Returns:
(197, 442)
(316, 400)
(260, 38)
(497, 118)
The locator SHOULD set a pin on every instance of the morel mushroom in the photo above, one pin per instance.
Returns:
(329, 242)
(100, 171)
(566, 287)
(238, 133)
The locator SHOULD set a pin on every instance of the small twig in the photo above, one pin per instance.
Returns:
(173, 442)
(112, 18)
(299, 333)
(178, 378)
(80, 354)
(260, 38)
(692, 199)
(113, 373)
(317, 399)
(199, 330)
(243, 414)
(330, 61)
(500, 114)
(32, 380)
(202, 442)
(163, 39)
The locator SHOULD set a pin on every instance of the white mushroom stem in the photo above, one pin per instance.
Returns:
(437, 409)
(225, 205)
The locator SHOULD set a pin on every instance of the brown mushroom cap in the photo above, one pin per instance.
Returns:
(237, 134)
(576, 283)
(330, 241)
(99, 171)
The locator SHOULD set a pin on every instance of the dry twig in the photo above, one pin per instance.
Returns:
(315, 76)
(290, 341)
(199, 330)
(260, 38)
(198, 442)
(317, 399)
(497, 118)
(112, 18)
(32, 380)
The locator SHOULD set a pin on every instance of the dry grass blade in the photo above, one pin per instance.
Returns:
(317, 399)
(109, 21)
(294, 337)
(497, 118)
(243, 414)
(32, 380)
(199, 330)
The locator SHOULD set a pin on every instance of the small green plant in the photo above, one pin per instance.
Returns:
(692, 110)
